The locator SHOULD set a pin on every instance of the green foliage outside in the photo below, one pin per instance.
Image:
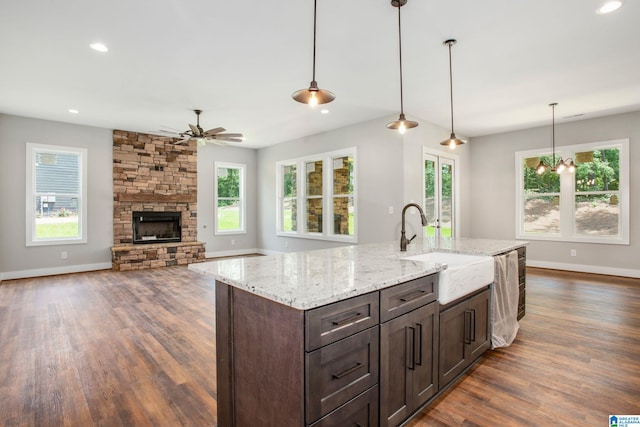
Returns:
(430, 180)
(57, 230)
(228, 186)
(601, 174)
(228, 218)
(444, 231)
(287, 224)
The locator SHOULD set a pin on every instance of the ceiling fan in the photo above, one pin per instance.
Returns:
(215, 135)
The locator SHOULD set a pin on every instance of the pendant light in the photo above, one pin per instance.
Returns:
(453, 141)
(561, 165)
(313, 95)
(402, 124)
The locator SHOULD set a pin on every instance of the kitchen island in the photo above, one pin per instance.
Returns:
(342, 336)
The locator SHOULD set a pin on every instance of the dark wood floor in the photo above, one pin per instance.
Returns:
(138, 349)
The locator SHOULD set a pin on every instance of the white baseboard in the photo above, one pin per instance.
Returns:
(39, 272)
(596, 269)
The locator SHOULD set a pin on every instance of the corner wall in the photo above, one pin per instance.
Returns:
(493, 185)
(16, 259)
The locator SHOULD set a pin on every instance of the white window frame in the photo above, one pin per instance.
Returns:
(242, 198)
(327, 196)
(568, 193)
(30, 217)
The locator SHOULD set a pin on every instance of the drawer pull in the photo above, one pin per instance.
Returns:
(348, 371)
(413, 296)
(346, 320)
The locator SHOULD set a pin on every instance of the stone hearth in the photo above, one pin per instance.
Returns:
(151, 174)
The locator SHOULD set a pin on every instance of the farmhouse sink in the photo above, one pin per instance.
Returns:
(464, 273)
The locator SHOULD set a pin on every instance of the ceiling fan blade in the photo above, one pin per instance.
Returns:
(229, 135)
(214, 131)
(230, 139)
(194, 129)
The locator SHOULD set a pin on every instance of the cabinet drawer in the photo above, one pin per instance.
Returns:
(340, 371)
(359, 412)
(398, 300)
(333, 322)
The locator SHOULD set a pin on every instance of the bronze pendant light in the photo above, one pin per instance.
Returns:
(402, 124)
(562, 165)
(313, 95)
(453, 141)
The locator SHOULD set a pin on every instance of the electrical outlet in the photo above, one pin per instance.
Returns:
(233, 242)
(286, 243)
(390, 210)
(63, 255)
(573, 252)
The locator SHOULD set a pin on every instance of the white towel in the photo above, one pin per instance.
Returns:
(504, 296)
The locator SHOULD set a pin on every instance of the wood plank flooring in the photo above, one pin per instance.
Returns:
(138, 349)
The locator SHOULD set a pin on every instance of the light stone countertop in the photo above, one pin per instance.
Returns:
(305, 280)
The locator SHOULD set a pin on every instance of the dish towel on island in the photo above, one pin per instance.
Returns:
(504, 300)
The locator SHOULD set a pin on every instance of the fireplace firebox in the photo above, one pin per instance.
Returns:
(156, 227)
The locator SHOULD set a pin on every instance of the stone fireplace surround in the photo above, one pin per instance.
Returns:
(151, 174)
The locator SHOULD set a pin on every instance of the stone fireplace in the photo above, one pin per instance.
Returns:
(156, 180)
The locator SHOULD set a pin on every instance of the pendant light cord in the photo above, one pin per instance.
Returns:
(315, 2)
(400, 52)
(553, 132)
(451, 88)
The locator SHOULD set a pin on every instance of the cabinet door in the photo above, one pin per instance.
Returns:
(396, 355)
(425, 320)
(359, 412)
(408, 372)
(453, 328)
(478, 339)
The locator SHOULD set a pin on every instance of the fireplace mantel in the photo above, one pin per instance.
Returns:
(159, 198)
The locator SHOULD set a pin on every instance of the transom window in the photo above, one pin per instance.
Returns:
(230, 198)
(589, 205)
(320, 189)
(56, 195)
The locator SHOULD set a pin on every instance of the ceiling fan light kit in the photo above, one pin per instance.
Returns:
(402, 124)
(313, 96)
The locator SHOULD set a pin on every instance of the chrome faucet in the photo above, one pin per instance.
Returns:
(403, 238)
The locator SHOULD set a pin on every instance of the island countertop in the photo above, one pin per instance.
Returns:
(309, 279)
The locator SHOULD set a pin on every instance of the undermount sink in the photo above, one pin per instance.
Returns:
(464, 273)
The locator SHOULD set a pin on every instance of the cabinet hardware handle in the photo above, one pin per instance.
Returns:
(419, 346)
(467, 327)
(412, 347)
(346, 320)
(342, 374)
(473, 325)
(412, 296)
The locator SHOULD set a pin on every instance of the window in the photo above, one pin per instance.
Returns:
(590, 205)
(56, 195)
(320, 190)
(229, 198)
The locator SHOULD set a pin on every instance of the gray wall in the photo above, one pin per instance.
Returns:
(18, 260)
(222, 245)
(493, 186)
(389, 174)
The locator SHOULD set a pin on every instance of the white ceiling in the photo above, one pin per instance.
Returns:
(240, 60)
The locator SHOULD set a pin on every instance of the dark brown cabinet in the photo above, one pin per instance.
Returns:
(464, 335)
(408, 363)
(408, 348)
(522, 281)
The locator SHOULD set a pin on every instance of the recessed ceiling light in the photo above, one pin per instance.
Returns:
(609, 6)
(73, 111)
(99, 47)
(324, 111)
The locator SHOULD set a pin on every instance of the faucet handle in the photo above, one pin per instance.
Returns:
(411, 239)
